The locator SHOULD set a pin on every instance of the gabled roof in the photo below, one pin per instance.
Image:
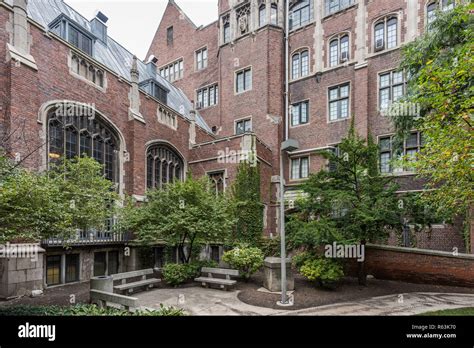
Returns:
(172, 2)
(113, 55)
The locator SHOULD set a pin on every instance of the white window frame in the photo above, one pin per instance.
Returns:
(299, 123)
(338, 38)
(240, 120)
(338, 101)
(390, 87)
(300, 176)
(168, 70)
(384, 21)
(200, 95)
(392, 153)
(341, 6)
(201, 58)
(246, 88)
(300, 68)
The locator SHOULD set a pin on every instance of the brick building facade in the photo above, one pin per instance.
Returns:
(202, 92)
(343, 59)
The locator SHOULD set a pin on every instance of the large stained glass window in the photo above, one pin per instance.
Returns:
(164, 166)
(73, 134)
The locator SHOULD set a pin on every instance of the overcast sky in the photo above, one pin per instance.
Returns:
(133, 23)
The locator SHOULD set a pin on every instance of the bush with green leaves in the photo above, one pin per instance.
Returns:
(247, 260)
(270, 246)
(321, 270)
(84, 310)
(177, 274)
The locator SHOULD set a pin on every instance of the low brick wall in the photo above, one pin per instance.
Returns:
(418, 265)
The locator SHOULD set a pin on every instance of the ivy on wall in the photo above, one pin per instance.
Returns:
(248, 205)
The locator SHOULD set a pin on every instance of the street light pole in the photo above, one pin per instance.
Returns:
(287, 145)
(284, 298)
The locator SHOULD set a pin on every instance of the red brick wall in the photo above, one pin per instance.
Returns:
(418, 266)
(187, 39)
(30, 89)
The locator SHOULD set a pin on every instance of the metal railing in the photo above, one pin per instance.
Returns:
(90, 238)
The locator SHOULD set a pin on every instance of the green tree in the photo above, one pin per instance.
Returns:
(183, 214)
(352, 203)
(248, 206)
(440, 65)
(89, 198)
(55, 203)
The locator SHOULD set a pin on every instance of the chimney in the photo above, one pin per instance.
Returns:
(99, 27)
(151, 65)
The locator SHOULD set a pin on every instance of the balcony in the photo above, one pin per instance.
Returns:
(90, 238)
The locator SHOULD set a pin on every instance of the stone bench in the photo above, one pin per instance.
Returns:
(144, 282)
(105, 299)
(224, 283)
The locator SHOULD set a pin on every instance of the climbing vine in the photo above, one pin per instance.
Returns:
(248, 206)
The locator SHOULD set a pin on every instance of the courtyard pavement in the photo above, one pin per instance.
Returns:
(201, 301)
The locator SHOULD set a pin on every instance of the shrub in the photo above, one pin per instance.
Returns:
(84, 310)
(194, 268)
(270, 246)
(176, 274)
(246, 260)
(300, 259)
(323, 271)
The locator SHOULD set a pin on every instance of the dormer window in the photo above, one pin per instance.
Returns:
(81, 41)
(74, 34)
(156, 90)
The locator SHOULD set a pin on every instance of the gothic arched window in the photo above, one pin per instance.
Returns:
(72, 132)
(163, 166)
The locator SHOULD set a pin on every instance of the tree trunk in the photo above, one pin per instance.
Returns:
(361, 272)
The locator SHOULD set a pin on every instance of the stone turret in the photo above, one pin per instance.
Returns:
(134, 96)
(19, 46)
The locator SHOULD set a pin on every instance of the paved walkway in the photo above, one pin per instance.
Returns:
(200, 301)
(403, 304)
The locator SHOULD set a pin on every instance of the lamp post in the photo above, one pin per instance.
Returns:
(287, 146)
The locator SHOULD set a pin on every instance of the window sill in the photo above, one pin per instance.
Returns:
(302, 27)
(302, 78)
(243, 92)
(339, 120)
(339, 66)
(207, 107)
(379, 53)
(300, 125)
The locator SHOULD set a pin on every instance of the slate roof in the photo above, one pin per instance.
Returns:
(113, 55)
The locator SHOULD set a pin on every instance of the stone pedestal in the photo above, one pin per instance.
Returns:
(104, 283)
(272, 281)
